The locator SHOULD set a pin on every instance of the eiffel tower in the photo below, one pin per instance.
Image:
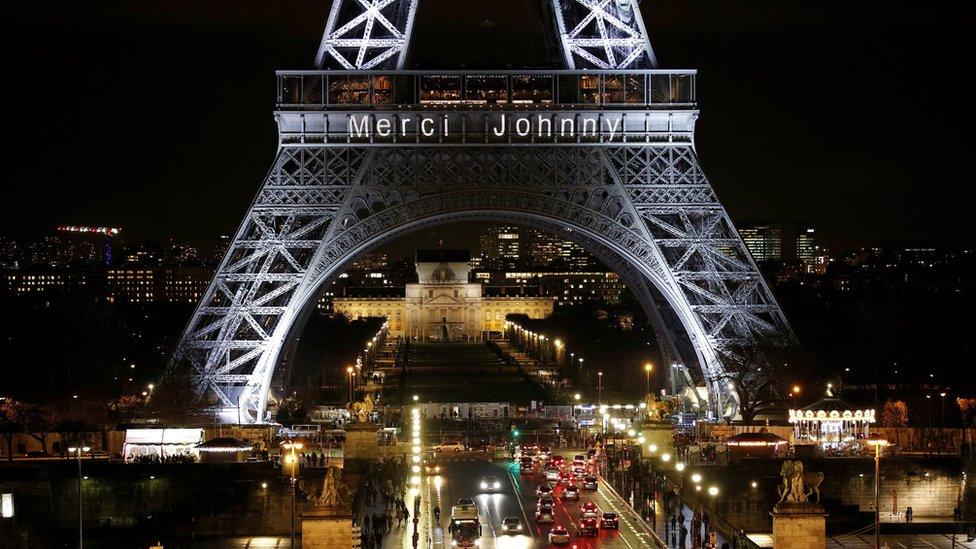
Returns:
(600, 152)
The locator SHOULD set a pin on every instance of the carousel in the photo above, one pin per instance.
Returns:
(831, 423)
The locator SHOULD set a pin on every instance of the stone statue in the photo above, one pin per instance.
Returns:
(362, 410)
(658, 409)
(792, 490)
(332, 494)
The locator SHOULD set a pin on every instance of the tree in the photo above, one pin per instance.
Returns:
(894, 413)
(756, 372)
(967, 408)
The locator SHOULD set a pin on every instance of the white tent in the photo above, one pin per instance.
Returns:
(161, 443)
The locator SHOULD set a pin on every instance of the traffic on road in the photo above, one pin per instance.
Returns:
(537, 499)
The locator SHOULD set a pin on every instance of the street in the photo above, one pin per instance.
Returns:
(461, 476)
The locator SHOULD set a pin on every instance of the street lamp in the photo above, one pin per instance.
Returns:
(350, 370)
(794, 392)
(292, 460)
(77, 451)
(943, 395)
(647, 377)
(876, 440)
(599, 386)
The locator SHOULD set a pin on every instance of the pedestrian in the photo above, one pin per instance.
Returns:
(908, 514)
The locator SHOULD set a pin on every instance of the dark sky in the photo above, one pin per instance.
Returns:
(157, 116)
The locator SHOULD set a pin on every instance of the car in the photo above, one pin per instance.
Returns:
(558, 536)
(545, 452)
(565, 477)
(589, 510)
(544, 514)
(526, 464)
(610, 520)
(543, 490)
(545, 501)
(587, 527)
(571, 491)
(579, 475)
(551, 473)
(490, 483)
(464, 501)
(449, 447)
(431, 468)
(580, 459)
(558, 461)
(511, 526)
(590, 482)
(591, 453)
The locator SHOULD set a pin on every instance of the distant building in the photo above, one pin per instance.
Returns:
(764, 241)
(170, 284)
(813, 257)
(565, 288)
(443, 305)
(36, 282)
(511, 247)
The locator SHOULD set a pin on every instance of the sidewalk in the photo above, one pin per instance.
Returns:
(660, 524)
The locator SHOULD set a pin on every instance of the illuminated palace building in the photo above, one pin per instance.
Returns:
(443, 305)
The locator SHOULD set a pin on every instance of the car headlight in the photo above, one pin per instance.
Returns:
(519, 528)
(497, 485)
(483, 485)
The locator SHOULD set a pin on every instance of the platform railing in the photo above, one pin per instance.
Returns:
(486, 90)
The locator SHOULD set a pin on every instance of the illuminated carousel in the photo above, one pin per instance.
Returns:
(831, 423)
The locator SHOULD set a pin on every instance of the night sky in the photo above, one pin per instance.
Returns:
(157, 116)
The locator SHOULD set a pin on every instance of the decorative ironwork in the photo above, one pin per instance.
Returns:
(638, 199)
(366, 34)
(603, 34)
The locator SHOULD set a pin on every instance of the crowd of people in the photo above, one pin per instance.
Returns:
(380, 501)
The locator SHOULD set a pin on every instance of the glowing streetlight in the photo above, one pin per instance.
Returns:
(599, 385)
(696, 478)
(77, 451)
(292, 460)
(647, 377)
(665, 457)
(713, 491)
(795, 391)
(876, 440)
(679, 467)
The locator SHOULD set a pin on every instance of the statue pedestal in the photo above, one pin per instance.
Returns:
(362, 442)
(326, 529)
(799, 526)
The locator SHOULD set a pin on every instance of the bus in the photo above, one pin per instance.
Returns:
(465, 526)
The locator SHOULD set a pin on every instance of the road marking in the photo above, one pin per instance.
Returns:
(516, 492)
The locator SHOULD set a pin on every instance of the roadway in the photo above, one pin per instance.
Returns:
(461, 476)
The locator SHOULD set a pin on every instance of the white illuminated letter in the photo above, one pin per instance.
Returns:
(613, 127)
(445, 125)
(383, 127)
(591, 122)
(543, 121)
(423, 126)
(567, 122)
(403, 126)
(500, 130)
(361, 129)
(518, 126)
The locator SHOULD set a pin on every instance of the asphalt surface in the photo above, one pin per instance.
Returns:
(461, 476)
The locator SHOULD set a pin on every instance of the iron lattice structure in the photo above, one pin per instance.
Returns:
(367, 156)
